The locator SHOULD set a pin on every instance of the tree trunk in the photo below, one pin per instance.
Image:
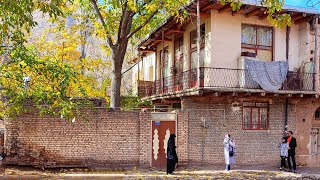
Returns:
(117, 62)
(115, 84)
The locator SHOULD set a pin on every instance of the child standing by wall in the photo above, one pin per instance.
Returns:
(283, 146)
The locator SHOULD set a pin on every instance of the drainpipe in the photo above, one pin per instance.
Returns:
(287, 57)
(198, 42)
(286, 115)
(316, 58)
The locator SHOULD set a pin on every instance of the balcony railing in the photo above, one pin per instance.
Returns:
(219, 78)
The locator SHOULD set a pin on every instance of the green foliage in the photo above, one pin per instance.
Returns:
(50, 88)
(132, 102)
(17, 19)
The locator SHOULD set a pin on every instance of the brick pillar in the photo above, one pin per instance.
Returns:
(182, 135)
(145, 139)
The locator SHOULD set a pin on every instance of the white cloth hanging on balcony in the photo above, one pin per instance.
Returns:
(269, 75)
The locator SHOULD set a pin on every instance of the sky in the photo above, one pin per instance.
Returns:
(304, 3)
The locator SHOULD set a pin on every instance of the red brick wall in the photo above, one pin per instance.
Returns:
(183, 137)
(106, 138)
(253, 146)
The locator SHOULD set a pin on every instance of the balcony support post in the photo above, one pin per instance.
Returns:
(316, 55)
(198, 43)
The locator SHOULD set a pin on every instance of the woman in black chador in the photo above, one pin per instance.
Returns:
(172, 157)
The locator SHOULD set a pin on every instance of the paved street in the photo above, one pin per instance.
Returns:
(190, 173)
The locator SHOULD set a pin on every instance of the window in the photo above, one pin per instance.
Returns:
(255, 116)
(317, 114)
(178, 62)
(164, 67)
(193, 47)
(258, 40)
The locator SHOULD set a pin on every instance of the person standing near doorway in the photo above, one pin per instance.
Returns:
(292, 152)
(172, 157)
(229, 150)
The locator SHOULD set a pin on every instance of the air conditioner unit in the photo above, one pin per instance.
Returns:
(245, 81)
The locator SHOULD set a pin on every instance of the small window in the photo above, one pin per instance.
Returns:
(317, 114)
(258, 40)
(255, 116)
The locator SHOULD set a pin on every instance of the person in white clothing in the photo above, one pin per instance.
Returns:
(229, 151)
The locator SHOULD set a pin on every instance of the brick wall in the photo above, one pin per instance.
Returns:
(253, 146)
(102, 138)
(182, 137)
(106, 138)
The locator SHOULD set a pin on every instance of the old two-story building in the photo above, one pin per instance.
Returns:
(252, 80)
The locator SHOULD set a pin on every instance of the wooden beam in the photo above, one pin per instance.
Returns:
(243, 8)
(225, 8)
(248, 94)
(298, 16)
(166, 40)
(263, 16)
(302, 20)
(254, 12)
(146, 50)
(202, 14)
(174, 31)
(207, 8)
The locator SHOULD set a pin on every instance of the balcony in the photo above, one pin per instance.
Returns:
(222, 80)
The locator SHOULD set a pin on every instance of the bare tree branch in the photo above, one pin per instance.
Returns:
(142, 25)
(95, 6)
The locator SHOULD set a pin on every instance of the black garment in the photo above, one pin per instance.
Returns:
(292, 153)
(283, 162)
(292, 157)
(170, 166)
(292, 145)
(172, 157)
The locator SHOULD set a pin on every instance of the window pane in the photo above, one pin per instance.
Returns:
(193, 39)
(255, 118)
(248, 34)
(262, 104)
(264, 36)
(248, 104)
(263, 118)
(194, 58)
(202, 34)
(264, 55)
(178, 47)
(246, 118)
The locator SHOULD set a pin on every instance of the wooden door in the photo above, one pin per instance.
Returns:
(161, 131)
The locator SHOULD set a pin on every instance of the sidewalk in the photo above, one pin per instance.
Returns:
(190, 173)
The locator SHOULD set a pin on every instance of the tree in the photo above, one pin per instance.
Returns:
(59, 72)
(17, 19)
(121, 20)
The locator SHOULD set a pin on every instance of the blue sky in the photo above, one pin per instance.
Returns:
(303, 3)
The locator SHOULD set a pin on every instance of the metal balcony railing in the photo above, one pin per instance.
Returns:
(219, 78)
